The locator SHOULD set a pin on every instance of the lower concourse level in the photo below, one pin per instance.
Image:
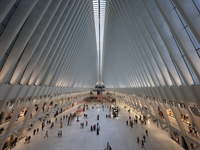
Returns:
(114, 130)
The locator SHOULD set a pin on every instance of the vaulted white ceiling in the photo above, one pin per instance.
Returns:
(50, 49)
(151, 43)
(144, 44)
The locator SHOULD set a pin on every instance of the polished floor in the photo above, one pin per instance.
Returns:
(115, 131)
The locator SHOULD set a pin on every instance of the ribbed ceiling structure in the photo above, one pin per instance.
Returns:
(150, 44)
(49, 43)
(49, 57)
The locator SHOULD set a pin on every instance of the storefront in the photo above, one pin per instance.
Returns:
(185, 118)
(8, 117)
(170, 112)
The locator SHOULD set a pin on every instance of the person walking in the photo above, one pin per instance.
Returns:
(38, 130)
(144, 138)
(97, 131)
(142, 143)
(61, 123)
(60, 133)
(34, 131)
(108, 146)
(86, 123)
(138, 140)
(29, 139)
(26, 140)
(52, 124)
(146, 133)
(46, 134)
(43, 126)
(15, 141)
(68, 121)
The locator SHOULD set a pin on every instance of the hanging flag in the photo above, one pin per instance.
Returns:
(99, 95)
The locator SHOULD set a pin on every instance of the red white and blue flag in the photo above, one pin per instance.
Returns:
(99, 95)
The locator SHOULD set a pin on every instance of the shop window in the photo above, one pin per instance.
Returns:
(8, 117)
(173, 104)
(185, 118)
(170, 112)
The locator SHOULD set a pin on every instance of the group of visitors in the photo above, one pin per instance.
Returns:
(49, 121)
(143, 121)
(35, 131)
(13, 143)
(143, 138)
(95, 127)
(135, 120)
(27, 139)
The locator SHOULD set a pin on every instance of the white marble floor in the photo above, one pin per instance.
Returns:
(115, 131)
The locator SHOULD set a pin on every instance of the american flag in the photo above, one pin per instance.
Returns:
(99, 95)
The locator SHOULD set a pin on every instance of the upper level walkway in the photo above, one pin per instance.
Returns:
(115, 131)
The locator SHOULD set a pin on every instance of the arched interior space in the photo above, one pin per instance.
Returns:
(56, 55)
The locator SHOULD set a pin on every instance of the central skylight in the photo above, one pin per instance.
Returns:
(99, 18)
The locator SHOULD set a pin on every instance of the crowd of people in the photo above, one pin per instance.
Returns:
(132, 121)
(143, 138)
(27, 139)
(93, 127)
